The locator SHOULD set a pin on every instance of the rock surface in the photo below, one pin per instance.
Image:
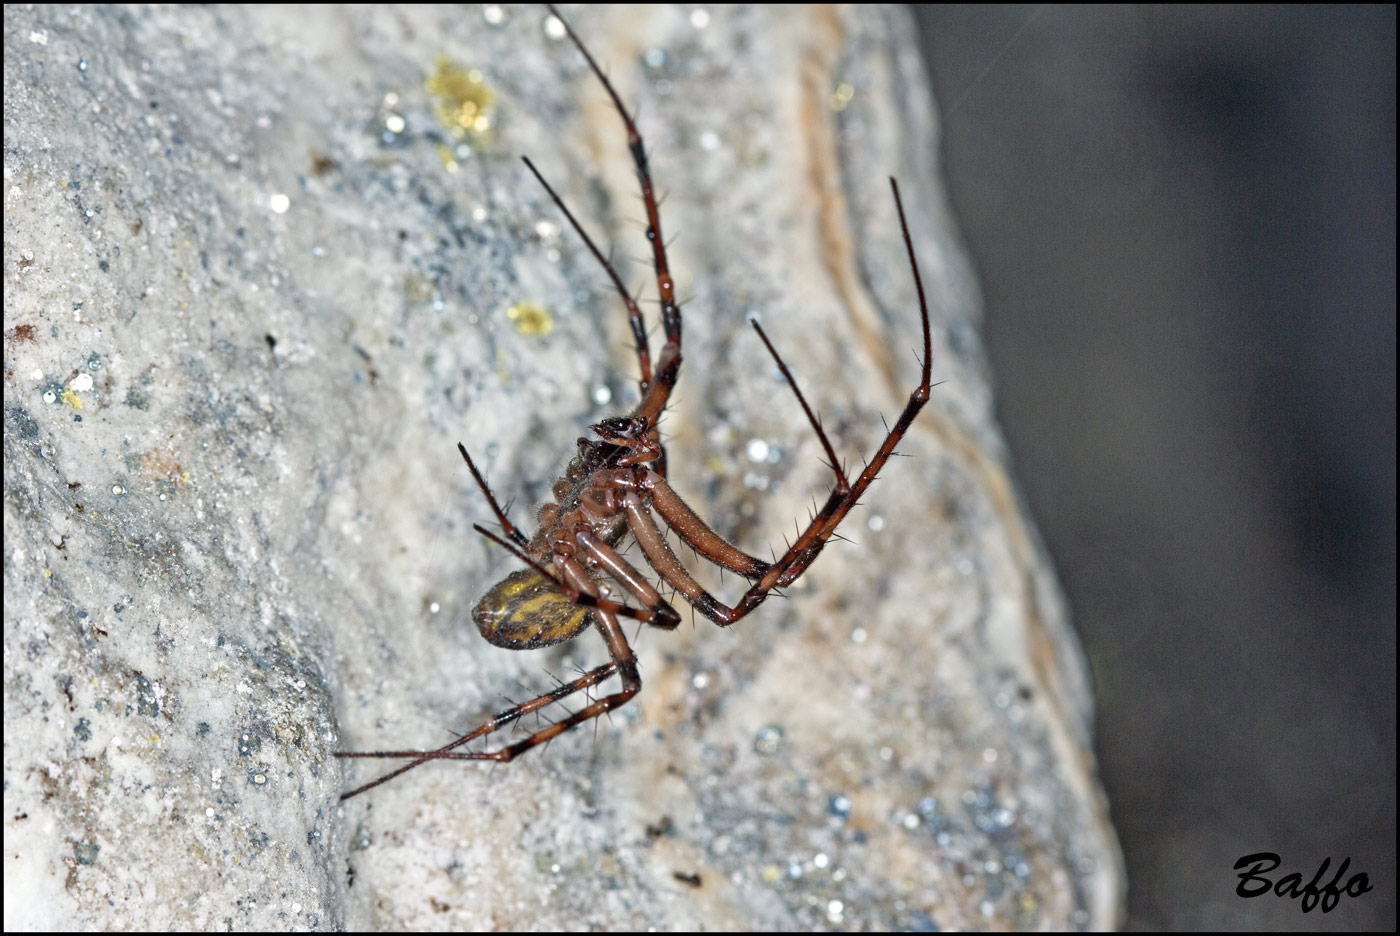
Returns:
(258, 284)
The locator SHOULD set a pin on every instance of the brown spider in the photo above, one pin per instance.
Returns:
(610, 489)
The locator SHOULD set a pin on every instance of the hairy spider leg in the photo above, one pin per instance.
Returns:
(809, 544)
(591, 678)
(634, 314)
(510, 529)
(627, 575)
(651, 489)
(624, 663)
(668, 366)
(664, 616)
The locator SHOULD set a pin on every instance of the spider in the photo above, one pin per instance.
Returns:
(616, 485)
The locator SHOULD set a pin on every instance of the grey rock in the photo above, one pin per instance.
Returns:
(256, 289)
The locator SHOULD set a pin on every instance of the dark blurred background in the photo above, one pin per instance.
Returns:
(1184, 224)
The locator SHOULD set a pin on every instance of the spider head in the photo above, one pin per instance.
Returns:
(629, 433)
(622, 430)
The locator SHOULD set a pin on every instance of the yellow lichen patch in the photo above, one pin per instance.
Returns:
(71, 398)
(530, 319)
(842, 96)
(465, 104)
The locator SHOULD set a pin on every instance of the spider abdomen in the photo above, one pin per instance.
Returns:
(524, 611)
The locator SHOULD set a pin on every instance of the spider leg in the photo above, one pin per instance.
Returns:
(668, 366)
(823, 525)
(626, 575)
(663, 616)
(510, 529)
(694, 532)
(843, 486)
(809, 543)
(634, 314)
(448, 751)
(623, 662)
(839, 503)
(663, 559)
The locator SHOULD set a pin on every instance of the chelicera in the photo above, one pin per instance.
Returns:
(616, 486)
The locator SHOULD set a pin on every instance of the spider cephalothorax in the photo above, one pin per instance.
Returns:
(616, 486)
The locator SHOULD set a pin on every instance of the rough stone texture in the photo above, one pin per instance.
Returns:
(238, 537)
